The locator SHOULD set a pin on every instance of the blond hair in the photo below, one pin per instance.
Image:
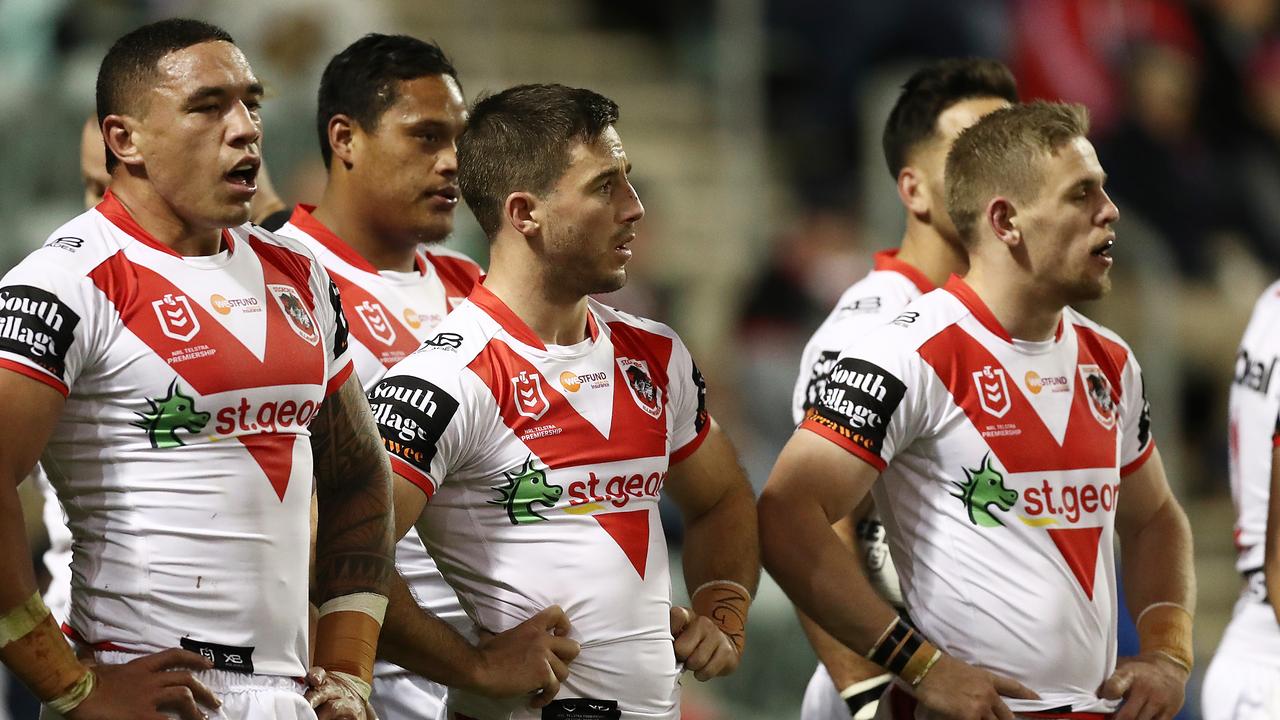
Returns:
(1003, 154)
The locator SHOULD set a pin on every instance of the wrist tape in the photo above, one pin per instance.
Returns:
(34, 649)
(1165, 628)
(726, 603)
(347, 634)
(864, 692)
(904, 652)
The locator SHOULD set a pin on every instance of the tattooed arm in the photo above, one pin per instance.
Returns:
(354, 549)
(721, 556)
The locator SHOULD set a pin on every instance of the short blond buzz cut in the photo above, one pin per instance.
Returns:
(1003, 154)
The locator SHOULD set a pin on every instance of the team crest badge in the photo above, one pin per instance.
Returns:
(177, 319)
(375, 318)
(993, 391)
(295, 311)
(646, 394)
(1098, 389)
(531, 402)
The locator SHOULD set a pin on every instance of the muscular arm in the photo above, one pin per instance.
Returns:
(354, 549)
(1155, 541)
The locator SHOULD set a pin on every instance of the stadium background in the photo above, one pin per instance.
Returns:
(754, 129)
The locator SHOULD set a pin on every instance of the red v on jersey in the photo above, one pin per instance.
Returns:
(289, 359)
(630, 529)
(1079, 547)
(955, 356)
(358, 304)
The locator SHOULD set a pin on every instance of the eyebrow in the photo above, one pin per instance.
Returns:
(218, 91)
(613, 170)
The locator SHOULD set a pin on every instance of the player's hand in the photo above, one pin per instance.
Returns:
(1151, 685)
(701, 645)
(334, 696)
(145, 688)
(531, 658)
(955, 690)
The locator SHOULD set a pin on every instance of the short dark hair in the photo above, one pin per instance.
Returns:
(1004, 153)
(930, 91)
(519, 140)
(130, 64)
(360, 82)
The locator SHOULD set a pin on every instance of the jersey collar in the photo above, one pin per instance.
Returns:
(113, 210)
(303, 219)
(967, 297)
(484, 298)
(888, 260)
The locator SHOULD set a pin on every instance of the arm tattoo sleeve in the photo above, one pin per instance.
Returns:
(354, 546)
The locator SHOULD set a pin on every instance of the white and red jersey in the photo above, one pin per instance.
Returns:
(543, 466)
(867, 304)
(182, 456)
(1253, 405)
(1001, 463)
(390, 314)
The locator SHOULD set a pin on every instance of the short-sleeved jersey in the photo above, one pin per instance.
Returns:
(1252, 408)
(1001, 468)
(543, 465)
(391, 314)
(182, 456)
(867, 304)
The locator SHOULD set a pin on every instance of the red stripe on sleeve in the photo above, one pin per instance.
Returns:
(419, 479)
(862, 453)
(335, 382)
(692, 445)
(45, 378)
(1139, 461)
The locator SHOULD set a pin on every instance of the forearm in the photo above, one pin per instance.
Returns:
(825, 581)
(1157, 562)
(708, 557)
(845, 666)
(15, 555)
(424, 644)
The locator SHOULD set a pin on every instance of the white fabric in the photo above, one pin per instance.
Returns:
(57, 559)
(243, 697)
(1243, 679)
(1252, 407)
(544, 466)
(404, 696)
(952, 405)
(182, 456)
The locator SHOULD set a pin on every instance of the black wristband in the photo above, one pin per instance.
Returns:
(866, 696)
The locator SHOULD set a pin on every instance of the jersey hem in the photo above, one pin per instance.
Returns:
(1139, 461)
(690, 447)
(858, 451)
(36, 375)
(336, 382)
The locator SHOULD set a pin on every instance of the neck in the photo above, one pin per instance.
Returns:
(930, 253)
(341, 213)
(556, 318)
(1023, 311)
(153, 214)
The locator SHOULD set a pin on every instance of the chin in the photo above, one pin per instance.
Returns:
(611, 284)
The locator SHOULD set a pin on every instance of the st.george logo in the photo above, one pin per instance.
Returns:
(993, 391)
(375, 318)
(177, 320)
(531, 402)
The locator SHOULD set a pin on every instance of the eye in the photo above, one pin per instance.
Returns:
(606, 188)
(253, 105)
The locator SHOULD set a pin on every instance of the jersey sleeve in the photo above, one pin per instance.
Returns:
(1136, 442)
(688, 406)
(857, 313)
(872, 404)
(333, 324)
(420, 417)
(45, 322)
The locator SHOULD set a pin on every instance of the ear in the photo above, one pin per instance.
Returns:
(911, 190)
(118, 134)
(342, 139)
(1002, 218)
(521, 212)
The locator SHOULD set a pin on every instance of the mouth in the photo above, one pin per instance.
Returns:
(447, 196)
(1103, 250)
(245, 174)
(624, 246)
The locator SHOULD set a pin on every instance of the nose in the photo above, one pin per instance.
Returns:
(447, 161)
(243, 125)
(1109, 213)
(632, 210)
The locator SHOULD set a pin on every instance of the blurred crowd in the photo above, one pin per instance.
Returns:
(1184, 97)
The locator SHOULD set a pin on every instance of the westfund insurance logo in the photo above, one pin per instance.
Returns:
(35, 324)
(858, 401)
(411, 415)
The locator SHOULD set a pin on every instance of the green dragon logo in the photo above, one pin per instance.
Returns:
(525, 487)
(984, 487)
(167, 415)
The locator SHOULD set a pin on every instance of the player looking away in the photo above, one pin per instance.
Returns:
(533, 434)
(1001, 425)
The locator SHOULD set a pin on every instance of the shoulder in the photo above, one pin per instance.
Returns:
(452, 265)
(457, 341)
(869, 303)
(647, 335)
(1095, 333)
(914, 325)
(70, 255)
